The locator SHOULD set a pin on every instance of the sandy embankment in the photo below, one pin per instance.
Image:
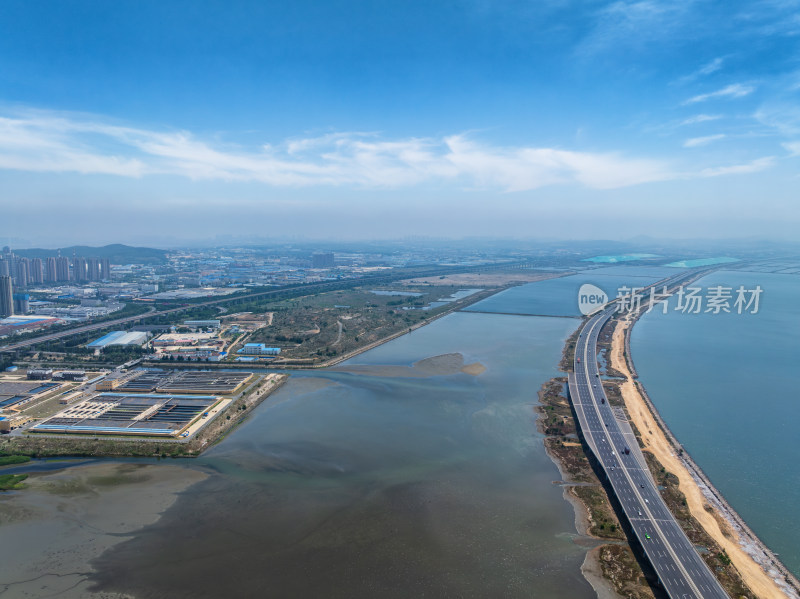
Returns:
(441, 365)
(484, 279)
(62, 520)
(762, 583)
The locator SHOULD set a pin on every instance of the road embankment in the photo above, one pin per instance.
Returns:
(610, 566)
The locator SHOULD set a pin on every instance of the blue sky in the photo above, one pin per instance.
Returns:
(382, 119)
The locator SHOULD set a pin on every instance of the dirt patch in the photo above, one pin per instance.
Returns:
(475, 369)
(441, 365)
(620, 567)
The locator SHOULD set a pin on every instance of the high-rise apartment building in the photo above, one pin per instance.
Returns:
(50, 273)
(93, 269)
(106, 269)
(6, 297)
(79, 272)
(322, 260)
(36, 271)
(22, 273)
(62, 268)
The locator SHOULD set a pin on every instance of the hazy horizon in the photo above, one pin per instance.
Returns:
(576, 120)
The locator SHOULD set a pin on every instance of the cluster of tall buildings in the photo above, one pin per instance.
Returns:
(25, 272)
(17, 272)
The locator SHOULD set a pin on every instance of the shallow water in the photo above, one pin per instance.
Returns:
(351, 485)
(559, 296)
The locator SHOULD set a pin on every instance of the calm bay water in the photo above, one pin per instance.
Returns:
(559, 296)
(727, 385)
(365, 485)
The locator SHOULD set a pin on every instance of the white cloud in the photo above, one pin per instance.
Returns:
(705, 70)
(701, 118)
(695, 142)
(753, 166)
(783, 117)
(735, 90)
(793, 147)
(712, 67)
(625, 24)
(50, 142)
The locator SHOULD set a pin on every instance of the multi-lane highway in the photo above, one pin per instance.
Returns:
(680, 569)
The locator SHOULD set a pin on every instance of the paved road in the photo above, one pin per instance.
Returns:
(681, 570)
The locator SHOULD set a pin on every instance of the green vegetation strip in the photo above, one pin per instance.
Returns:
(8, 460)
(11, 482)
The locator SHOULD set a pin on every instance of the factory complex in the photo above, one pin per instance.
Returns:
(147, 403)
(19, 392)
(131, 414)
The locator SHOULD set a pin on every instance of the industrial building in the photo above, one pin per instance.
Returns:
(70, 375)
(14, 394)
(125, 414)
(115, 379)
(202, 324)
(131, 338)
(259, 349)
(23, 324)
(184, 381)
(39, 374)
(169, 339)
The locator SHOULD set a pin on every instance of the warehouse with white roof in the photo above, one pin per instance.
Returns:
(119, 338)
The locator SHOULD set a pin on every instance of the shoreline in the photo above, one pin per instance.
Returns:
(757, 566)
(117, 447)
(755, 562)
(47, 446)
(609, 565)
(77, 532)
(455, 307)
(307, 363)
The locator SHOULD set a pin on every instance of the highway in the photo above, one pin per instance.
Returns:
(682, 572)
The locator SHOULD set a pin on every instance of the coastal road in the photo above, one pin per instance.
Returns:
(682, 572)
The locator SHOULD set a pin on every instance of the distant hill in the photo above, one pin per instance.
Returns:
(117, 253)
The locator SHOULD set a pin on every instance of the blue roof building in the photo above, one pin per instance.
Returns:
(259, 349)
